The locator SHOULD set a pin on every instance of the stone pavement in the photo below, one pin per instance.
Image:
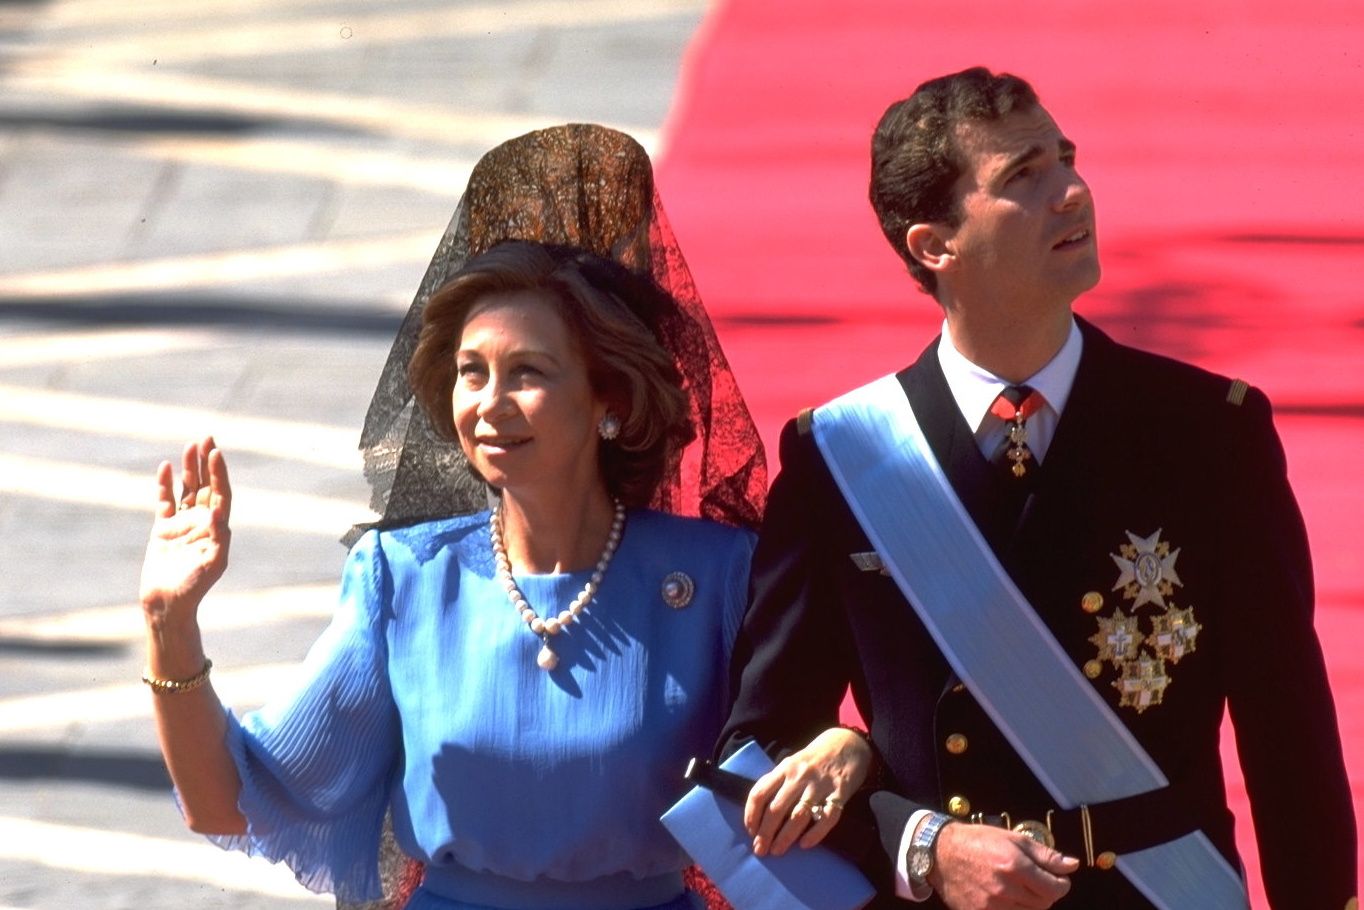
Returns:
(212, 216)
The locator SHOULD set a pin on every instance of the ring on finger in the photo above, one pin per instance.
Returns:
(806, 803)
(817, 813)
(833, 804)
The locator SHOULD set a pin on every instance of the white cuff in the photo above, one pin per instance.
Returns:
(904, 888)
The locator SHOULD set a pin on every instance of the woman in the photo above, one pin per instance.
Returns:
(498, 760)
(589, 186)
(592, 187)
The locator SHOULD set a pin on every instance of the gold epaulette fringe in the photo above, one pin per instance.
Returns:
(805, 421)
(1237, 393)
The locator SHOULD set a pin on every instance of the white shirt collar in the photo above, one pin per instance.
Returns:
(975, 388)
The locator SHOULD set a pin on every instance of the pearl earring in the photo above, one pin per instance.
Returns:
(609, 428)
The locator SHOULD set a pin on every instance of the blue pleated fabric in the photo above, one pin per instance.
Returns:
(518, 788)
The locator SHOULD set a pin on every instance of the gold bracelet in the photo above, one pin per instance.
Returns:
(172, 686)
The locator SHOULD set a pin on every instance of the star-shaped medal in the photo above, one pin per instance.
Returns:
(1174, 634)
(1146, 568)
(1118, 637)
(1142, 683)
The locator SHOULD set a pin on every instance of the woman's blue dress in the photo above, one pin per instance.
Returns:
(516, 787)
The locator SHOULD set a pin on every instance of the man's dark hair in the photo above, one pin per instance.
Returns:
(915, 161)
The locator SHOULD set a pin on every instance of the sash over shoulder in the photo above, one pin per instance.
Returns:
(992, 637)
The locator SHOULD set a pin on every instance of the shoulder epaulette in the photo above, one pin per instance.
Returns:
(1237, 393)
(805, 421)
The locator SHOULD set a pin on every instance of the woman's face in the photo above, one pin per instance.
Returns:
(523, 406)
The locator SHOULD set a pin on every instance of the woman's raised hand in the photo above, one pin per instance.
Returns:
(187, 550)
(802, 798)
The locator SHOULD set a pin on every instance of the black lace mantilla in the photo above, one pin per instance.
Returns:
(591, 187)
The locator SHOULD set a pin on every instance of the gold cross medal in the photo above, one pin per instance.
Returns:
(1142, 683)
(1118, 638)
(1174, 634)
(1018, 448)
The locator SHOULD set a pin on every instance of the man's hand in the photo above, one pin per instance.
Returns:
(980, 867)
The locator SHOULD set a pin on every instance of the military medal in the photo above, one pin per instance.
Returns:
(1142, 683)
(1146, 575)
(1146, 570)
(1118, 638)
(1015, 413)
(1174, 634)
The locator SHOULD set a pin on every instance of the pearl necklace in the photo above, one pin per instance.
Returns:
(544, 628)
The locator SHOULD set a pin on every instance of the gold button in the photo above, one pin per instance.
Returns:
(956, 744)
(1094, 668)
(1092, 602)
(1106, 860)
(959, 806)
(959, 688)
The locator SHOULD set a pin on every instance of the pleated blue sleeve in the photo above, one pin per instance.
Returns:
(316, 765)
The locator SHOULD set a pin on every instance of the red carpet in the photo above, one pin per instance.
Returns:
(1222, 142)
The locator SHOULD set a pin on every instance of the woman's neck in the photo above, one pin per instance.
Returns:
(561, 532)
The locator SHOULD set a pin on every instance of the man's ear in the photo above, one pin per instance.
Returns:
(929, 245)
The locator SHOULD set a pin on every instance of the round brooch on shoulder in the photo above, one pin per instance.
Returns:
(678, 589)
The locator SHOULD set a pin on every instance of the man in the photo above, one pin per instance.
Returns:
(1137, 514)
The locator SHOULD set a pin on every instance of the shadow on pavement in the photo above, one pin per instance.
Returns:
(216, 311)
(33, 647)
(152, 120)
(135, 770)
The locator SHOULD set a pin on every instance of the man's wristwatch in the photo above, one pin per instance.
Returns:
(922, 854)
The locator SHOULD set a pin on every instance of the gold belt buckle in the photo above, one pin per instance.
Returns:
(1035, 830)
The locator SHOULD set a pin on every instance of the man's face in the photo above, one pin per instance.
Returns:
(1026, 241)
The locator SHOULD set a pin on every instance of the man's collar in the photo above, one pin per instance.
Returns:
(975, 388)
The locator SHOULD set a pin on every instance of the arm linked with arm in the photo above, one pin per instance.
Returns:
(795, 655)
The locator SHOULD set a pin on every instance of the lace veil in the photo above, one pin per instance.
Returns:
(591, 187)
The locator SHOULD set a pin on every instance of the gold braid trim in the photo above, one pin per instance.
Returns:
(1237, 393)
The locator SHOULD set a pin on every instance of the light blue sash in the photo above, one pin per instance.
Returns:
(989, 633)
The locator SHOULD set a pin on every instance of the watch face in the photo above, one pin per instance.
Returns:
(920, 863)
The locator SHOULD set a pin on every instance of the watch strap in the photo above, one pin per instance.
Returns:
(922, 853)
(927, 835)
